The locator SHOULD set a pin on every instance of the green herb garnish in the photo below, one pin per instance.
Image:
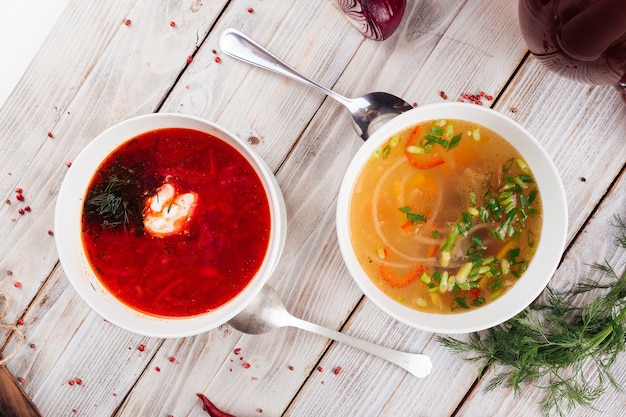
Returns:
(414, 218)
(551, 344)
(117, 197)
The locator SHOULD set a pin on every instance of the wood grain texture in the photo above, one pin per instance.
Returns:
(94, 71)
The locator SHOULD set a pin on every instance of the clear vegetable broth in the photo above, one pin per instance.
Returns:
(445, 216)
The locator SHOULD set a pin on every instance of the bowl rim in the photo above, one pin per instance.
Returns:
(551, 242)
(68, 214)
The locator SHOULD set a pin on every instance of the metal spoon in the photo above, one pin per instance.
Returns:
(368, 112)
(267, 312)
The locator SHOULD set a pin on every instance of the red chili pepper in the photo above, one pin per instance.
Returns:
(211, 408)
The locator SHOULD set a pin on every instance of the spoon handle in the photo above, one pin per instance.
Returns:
(417, 364)
(240, 46)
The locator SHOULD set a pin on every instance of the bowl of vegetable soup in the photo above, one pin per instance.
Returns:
(452, 218)
(167, 225)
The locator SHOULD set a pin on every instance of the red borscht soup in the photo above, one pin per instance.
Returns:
(176, 222)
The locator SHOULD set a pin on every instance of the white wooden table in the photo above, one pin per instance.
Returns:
(94, 70)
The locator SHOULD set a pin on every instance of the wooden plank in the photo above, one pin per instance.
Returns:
(13, 400)
(582, 128)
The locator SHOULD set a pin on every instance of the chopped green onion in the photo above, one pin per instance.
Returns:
(522, 164)
(476, 134)
(416, 218)
(462, 303)
(435, 130)
(454, 141)
(443, 285)
(463, 273)
(421, 302)
(435, 139)
(417, 150)
(506, 266)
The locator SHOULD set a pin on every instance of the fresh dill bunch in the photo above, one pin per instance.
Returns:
(552, 345)
(110, 203)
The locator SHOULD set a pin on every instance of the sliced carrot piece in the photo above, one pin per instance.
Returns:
(424, 160)
(432, 251)
(401, 281)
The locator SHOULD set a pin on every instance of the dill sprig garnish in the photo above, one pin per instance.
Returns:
(116, 199)
(555, 345)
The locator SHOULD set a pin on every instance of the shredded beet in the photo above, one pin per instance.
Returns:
(211, 408)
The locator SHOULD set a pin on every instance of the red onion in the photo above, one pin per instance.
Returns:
(376, 19)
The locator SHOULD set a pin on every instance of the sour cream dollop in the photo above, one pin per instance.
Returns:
(169, 212)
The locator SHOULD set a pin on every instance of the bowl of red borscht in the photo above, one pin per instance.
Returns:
(167, 225)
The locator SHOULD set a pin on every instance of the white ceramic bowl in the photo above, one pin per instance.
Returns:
(67, 227)
(551, 241)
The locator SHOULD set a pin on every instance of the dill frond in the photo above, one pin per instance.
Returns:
(556, 345)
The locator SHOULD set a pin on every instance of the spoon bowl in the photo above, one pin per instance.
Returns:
(369, 112)
(266, 312)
